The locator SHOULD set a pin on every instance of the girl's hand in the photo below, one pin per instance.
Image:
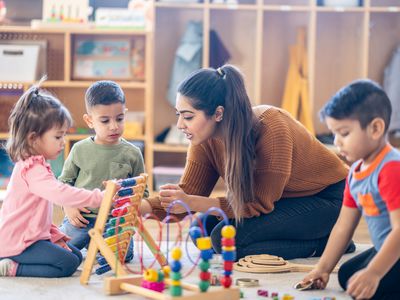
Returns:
(171, 192)
(75, 217)
(63, 244)
(363, 284)
(318, 277)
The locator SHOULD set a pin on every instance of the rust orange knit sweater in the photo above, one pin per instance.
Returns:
(290, 162)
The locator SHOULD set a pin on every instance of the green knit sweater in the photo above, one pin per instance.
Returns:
(89, 164)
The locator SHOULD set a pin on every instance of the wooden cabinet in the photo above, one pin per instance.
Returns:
(343, 44)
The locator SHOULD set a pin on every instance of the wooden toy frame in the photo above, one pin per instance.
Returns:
(125, 283)
(131, 284)
(97, 242)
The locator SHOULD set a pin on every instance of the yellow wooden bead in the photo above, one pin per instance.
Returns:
(166, 270)
(176, 253)
(229, 249)
(204, 243)
(175, 282)
(150, 275)
(228, 231)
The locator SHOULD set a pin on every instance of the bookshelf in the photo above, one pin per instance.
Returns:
(61, 82)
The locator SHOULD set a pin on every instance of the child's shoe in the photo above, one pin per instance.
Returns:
(8, 267)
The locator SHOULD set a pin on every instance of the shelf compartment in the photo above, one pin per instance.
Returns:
(287, 2)
(384, 3)
(166, 43)
(231, 27)
(279, 32)
(161, 147)
(384, 39)
(339, 58)
(55, 48)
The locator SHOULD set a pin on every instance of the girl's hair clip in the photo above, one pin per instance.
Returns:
(220, 72)
(36, 91)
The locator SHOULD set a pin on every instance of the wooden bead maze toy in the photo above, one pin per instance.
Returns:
(153, 284)
(124, 196)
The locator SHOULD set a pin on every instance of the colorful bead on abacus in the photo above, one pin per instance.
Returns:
(228, 233)
(206, 253)
(175, 274)
(263, 293)
(195, 232)
(153, 281)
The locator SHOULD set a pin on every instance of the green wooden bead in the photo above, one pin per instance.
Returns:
(175, 275)
(175, 291)
(204, 265)
(160, 276)
(204, 285)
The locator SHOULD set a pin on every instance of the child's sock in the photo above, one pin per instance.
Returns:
(8, 267)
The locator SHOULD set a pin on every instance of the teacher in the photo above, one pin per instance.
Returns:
(284, 188)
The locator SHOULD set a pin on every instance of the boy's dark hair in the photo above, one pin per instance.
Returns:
(104, 92)
(362, 100)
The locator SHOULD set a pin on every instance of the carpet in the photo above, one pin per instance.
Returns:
(70, 288)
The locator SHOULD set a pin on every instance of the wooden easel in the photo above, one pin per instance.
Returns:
(98, 243)
(296, 96)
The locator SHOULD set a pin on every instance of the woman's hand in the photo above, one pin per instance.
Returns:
(63, 244)
(363, 284)
(318, 277)
(171, 192)
(75, 217)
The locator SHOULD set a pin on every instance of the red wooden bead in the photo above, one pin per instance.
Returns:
(228, 242)
(228, 265)
(263, 293)
(205, 276)
(226, 281)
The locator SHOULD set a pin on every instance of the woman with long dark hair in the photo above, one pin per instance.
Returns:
(284, 188)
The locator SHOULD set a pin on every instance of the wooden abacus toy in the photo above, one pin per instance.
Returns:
(125, 197)
(152, 283)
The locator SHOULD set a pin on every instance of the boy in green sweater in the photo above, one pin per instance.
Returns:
(104, 156)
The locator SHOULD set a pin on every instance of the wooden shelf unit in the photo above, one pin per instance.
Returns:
(60, 47)
(343, 44)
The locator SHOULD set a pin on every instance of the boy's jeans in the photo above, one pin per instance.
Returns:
(80, 237)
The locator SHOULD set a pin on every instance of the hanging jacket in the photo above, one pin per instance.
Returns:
(188, 57)
(391, 85)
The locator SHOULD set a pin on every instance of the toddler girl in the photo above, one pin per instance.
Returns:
(30, 245)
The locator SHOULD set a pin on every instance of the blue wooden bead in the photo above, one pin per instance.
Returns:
(206, 254)
(128, 182)
(125, 192)
(226, 273)
(229, 255)
(176, 266)
(195, 232)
